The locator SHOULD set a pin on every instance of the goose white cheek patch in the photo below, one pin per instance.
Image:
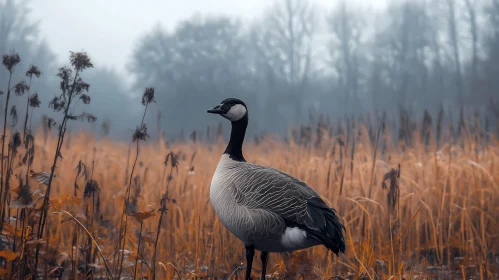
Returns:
(235, 113)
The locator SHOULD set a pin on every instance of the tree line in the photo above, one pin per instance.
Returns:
(299, 59)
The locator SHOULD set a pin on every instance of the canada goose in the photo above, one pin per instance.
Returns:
(267, 209)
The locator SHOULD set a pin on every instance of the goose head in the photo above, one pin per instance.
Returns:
(232, 109)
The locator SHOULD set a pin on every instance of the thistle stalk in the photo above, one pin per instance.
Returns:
(164, 200)
(70, 90)
(139, 134)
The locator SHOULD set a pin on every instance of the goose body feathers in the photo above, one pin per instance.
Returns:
(271, 210)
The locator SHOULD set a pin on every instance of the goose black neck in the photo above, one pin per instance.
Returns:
(235, 147)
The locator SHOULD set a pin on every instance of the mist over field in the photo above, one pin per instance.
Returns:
(388, 109)
(286, 61)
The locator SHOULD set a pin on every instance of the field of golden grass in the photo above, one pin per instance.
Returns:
(444, 223)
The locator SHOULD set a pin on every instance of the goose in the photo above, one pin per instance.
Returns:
(267, 209)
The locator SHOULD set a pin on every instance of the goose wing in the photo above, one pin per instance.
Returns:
(296, 203)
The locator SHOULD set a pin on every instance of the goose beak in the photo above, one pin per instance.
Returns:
(216, 110)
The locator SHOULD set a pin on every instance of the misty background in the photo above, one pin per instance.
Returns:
(287, 59)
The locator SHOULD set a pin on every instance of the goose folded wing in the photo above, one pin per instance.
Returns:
(296, 203)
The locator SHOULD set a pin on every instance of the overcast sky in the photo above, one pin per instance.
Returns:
(109, 29)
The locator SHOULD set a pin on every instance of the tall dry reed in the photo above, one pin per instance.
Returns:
(443, 223)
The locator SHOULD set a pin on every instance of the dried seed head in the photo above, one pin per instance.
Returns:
(85, 98)
(82, 170)
(15, 142)
(51, 123)
(148, 96)
(11, 60)
(33, 70)
(13, 115)
(20, 88)
(81, 86)
(57, 104)
(34, 101)
(106, 127)
(80, 61)
(171, 158)
(140, 133)
(24, 195)
(394, 192)
(91, 187)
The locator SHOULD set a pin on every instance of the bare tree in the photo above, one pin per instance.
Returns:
(471, 13)
(454, 44)
(284, 41)
(203, 59)
(346, 30)
(15, 26)
(404, 47)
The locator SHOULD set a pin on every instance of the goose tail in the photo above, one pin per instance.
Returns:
(334, 232)
(330, 233)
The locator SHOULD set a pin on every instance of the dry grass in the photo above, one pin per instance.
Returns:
(446, 210)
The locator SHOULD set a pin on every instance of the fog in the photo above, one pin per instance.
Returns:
(289, 60)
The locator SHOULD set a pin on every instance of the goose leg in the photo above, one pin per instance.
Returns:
(250, 252)
(264, 257)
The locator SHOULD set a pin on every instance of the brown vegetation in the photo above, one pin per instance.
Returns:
(447, 209)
